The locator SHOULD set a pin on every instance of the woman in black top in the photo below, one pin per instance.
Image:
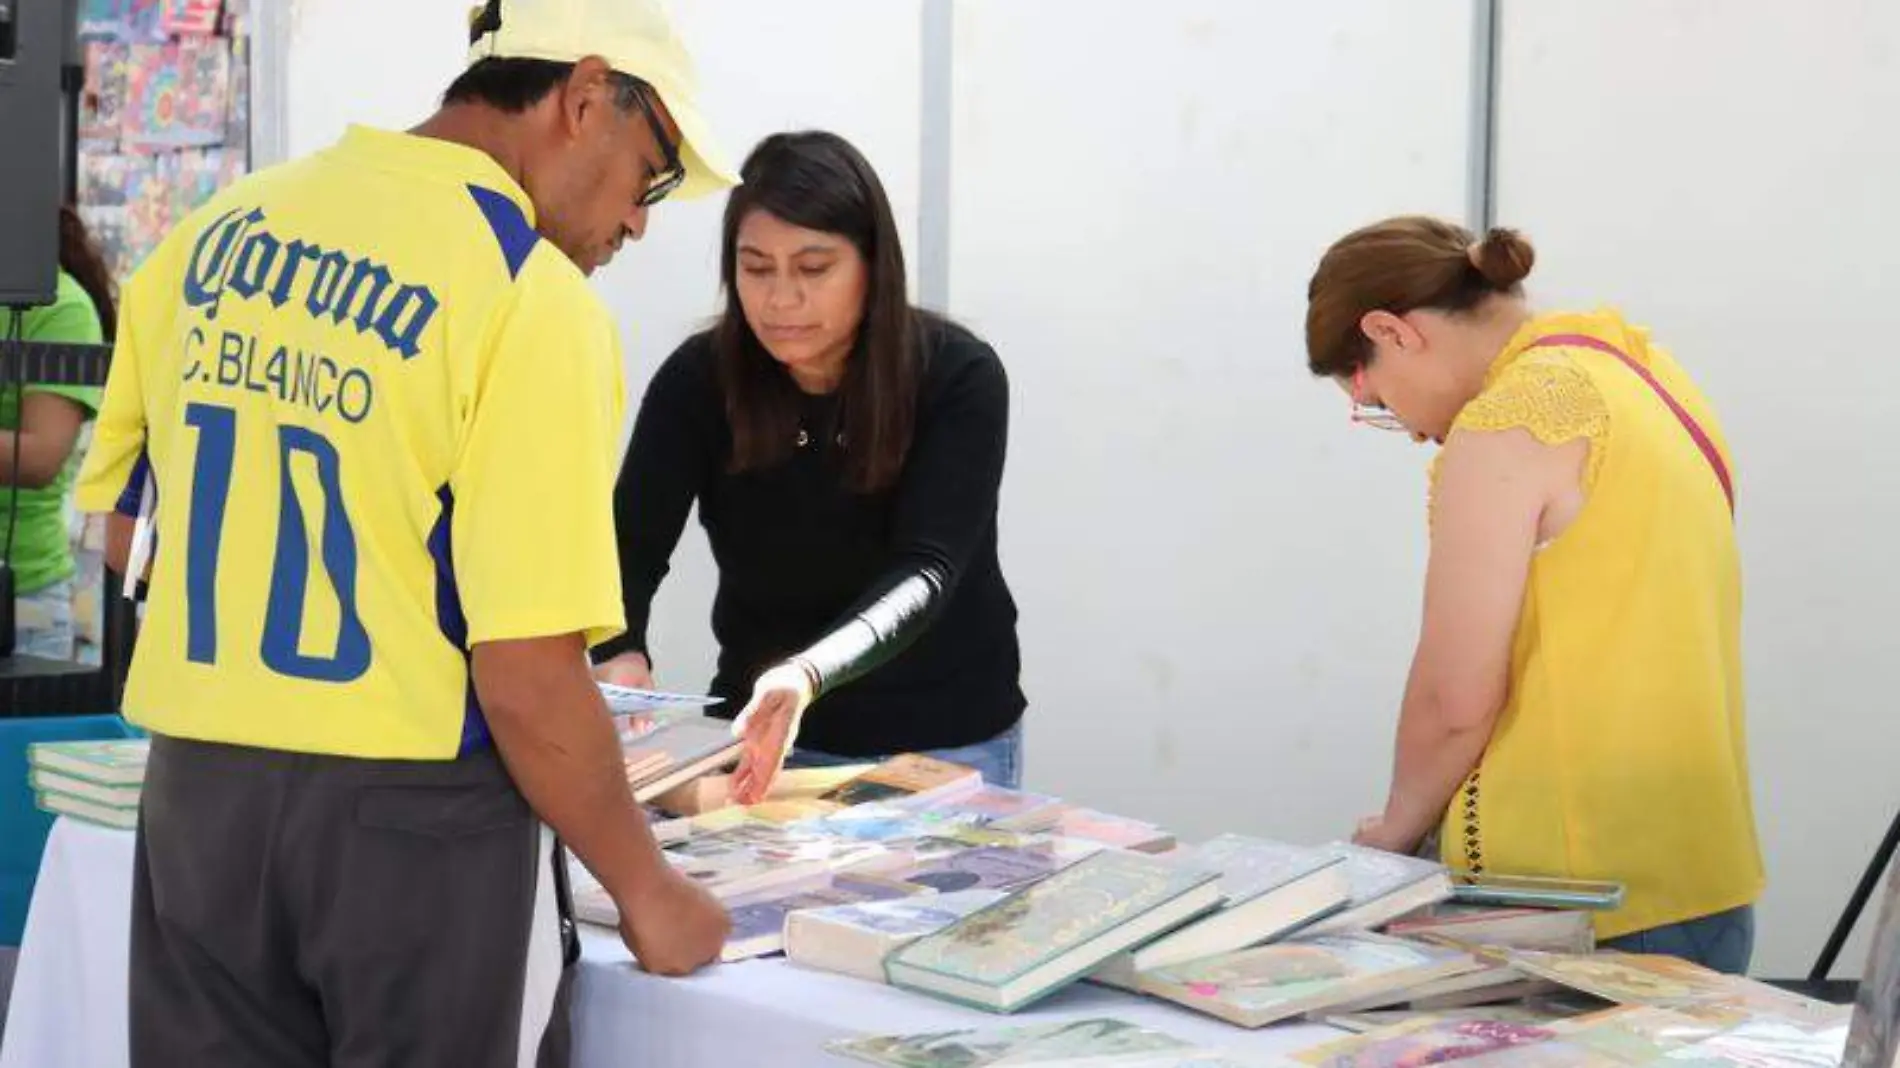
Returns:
(845, 450)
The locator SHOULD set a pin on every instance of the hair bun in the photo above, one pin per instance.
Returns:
(1503, 257)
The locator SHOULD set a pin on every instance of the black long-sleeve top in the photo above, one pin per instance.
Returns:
(799, 554)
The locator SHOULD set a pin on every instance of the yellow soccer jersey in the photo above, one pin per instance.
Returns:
(380, 417)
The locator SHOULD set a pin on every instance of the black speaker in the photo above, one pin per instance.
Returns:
(70, 52)
(72, 86)
(33, 45)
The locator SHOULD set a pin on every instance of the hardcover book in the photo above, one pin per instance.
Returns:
(1040, 938)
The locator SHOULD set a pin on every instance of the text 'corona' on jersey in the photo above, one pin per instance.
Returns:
(237, 257)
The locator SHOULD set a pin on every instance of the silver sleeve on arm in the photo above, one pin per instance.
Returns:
(877, 632)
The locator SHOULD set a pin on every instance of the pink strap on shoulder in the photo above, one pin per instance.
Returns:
(1695, 431)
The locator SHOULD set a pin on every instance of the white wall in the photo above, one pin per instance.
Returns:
(1729, 178)
(371, 62)
(1218, 574)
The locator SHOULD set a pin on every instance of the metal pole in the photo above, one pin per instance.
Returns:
(934, 128)
(1481, 207)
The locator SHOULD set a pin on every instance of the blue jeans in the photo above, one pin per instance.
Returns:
(1000, 759)
(1723, 942)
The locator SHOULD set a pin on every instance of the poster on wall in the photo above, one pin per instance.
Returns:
(189, 17)
(164, 116)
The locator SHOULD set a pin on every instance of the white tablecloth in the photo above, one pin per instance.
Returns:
(69, 994)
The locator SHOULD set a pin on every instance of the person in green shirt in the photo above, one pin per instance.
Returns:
(39, 439)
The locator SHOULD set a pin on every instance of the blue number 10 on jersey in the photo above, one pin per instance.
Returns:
(279, 645)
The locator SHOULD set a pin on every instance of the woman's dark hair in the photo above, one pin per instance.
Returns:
(818, 181)
(1400, 265)
(80, 257)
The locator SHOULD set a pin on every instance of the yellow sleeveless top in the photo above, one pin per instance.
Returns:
(1621, 752)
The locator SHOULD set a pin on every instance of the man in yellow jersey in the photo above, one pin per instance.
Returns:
(374, 407)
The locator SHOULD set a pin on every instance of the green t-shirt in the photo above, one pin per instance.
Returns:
(42, 551)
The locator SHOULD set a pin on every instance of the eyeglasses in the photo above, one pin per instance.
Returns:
(1372, 415)
(673, 172)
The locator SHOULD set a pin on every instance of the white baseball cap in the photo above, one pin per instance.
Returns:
(635, 37)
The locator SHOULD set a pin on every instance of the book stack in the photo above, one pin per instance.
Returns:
(676, 753)
(96, 781)
(1040, 938)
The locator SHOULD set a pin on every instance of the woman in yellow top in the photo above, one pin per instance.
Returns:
(1574, 707)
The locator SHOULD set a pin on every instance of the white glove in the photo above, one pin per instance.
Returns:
(789, 675)
(784, 691)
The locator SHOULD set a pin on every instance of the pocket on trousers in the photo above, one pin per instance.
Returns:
(442, 812)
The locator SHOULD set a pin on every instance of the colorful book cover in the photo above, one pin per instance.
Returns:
(102, 180)
(1287, 978)
(195, 180)
(988, 805)
(988, 868)
(104, 19)
(906, 775)
(1033, 926)
(182, 17)
(176, 94)
(144, 21)
(149, 203)
(204, 71)
(758, 920)
(1033, 1044)
(1108, 829)
(1673, 983)
(102, 105)
(1422, 1042)
(130, 21)
(911, 916)
(738, 858)
(151, 97)
(874, 822)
